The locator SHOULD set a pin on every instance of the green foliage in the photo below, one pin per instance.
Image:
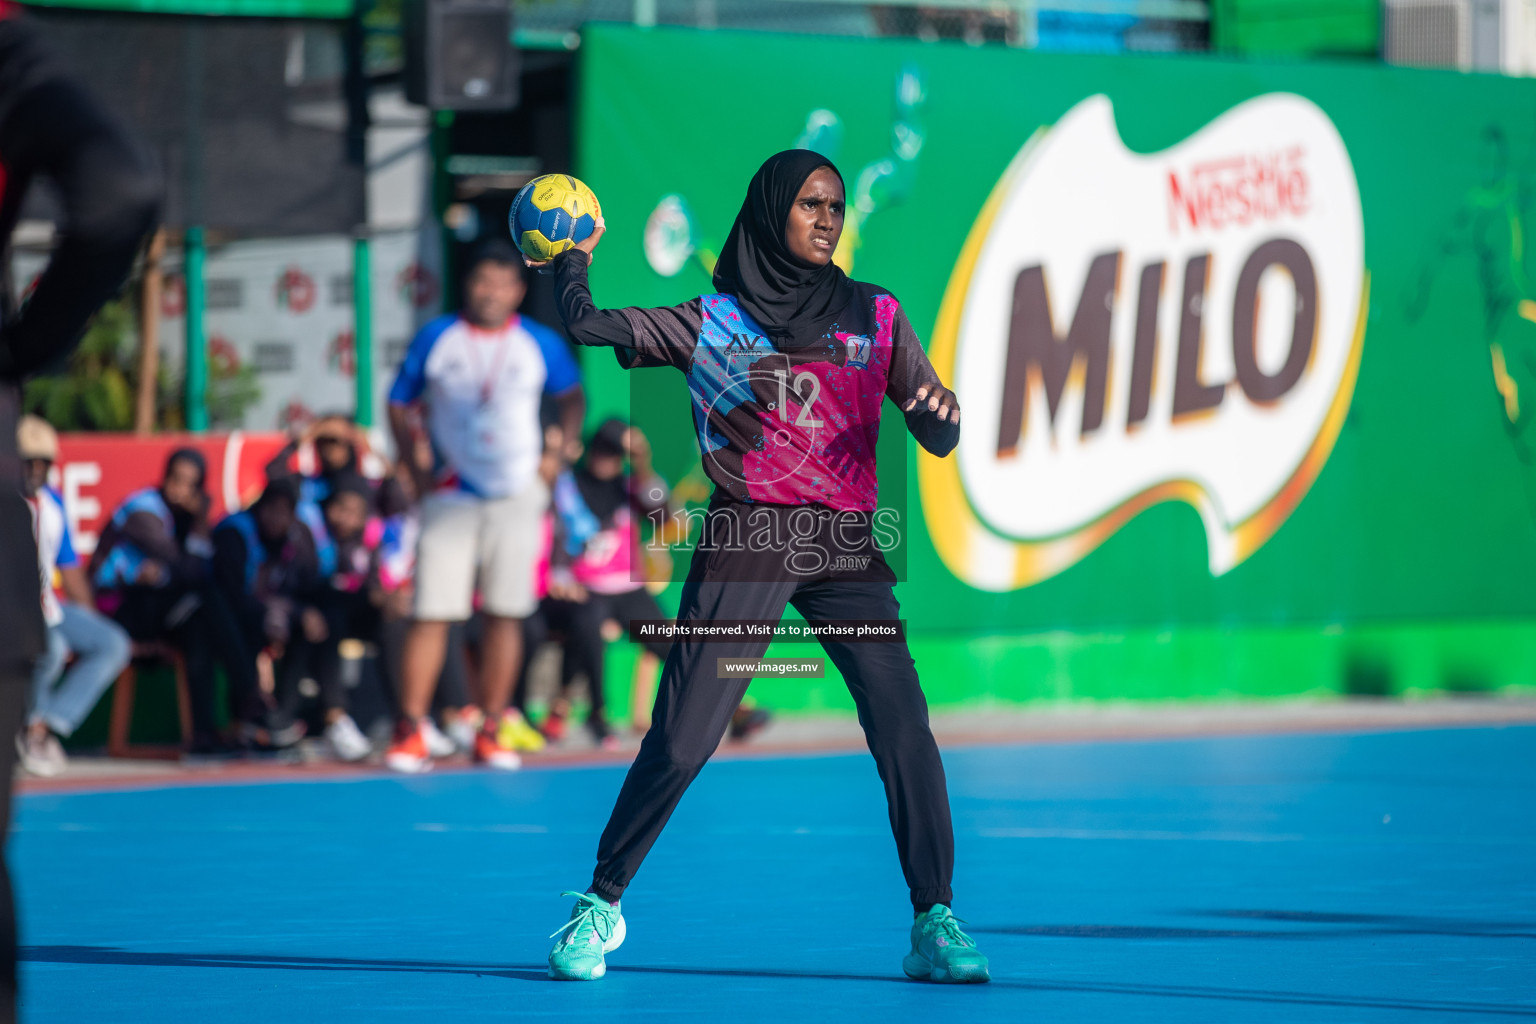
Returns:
(97, 388)
(231, 391)
(96, 391)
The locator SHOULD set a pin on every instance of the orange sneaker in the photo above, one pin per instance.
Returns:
(553, 727)
(490, 752)
(409, 753)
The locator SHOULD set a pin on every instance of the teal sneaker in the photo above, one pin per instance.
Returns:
(942, 952)
(596, 927)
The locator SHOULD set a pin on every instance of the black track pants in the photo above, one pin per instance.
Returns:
(694, 707)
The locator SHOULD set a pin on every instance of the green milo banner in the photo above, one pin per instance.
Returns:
(1247, 352)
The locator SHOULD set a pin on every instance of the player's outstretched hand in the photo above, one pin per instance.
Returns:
(939, 400)
(586, 245)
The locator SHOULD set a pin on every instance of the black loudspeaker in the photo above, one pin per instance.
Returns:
(459, 54)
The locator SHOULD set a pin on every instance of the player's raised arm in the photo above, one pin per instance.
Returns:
(931, 409)
(665, 336)
(585, 324)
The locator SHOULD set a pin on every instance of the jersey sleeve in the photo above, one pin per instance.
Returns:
(65, 557)
(911, 370)
(395, 559)
(411, 380)
(560, 370)
(663, 336)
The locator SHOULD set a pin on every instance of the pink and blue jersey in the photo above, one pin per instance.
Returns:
(795, 427)
(775, 424)
(601, 544)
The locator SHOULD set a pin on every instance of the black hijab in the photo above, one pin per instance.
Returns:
(183, 521)
(794, 302)
(194, 458)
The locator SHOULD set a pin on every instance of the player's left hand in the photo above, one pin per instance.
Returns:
(939, 400)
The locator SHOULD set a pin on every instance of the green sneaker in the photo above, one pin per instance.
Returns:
(942, 952)
(596, 927)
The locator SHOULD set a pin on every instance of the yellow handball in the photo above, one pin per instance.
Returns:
(551, 214)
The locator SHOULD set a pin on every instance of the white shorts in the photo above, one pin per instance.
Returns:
(496, 539)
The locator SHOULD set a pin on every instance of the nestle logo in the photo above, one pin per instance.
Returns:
(1237, 191)
(1190, 332)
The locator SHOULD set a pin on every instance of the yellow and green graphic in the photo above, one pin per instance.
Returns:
(1298, 443)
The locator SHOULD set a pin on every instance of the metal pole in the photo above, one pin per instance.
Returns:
(149, 336)
(195, 253)
(362, 330)
(197, 345)
(442, 196)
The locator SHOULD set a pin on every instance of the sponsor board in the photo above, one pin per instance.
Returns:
(1129, 329)
(96, 472)
(283, 308)
(1393, 478)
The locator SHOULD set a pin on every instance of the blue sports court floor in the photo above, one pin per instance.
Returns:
(1343, 877)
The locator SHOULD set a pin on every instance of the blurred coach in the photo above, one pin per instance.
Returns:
(482, 374)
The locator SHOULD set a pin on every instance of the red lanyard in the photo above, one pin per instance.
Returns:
(488, 381)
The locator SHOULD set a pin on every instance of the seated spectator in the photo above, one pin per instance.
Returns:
(151, 571)
(347, 537)
(596, 572)
(394, 589)
(100, 646)
(339, 445)
(596, 584)
(266, 572)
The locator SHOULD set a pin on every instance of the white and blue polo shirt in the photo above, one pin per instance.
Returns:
(482, 391)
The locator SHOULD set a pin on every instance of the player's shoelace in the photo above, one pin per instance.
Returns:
(589, 918)
(948, 926)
